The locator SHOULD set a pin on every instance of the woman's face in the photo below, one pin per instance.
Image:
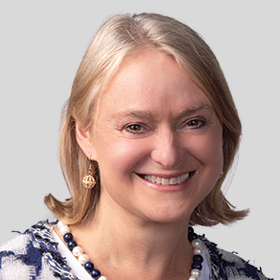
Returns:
(156, 138)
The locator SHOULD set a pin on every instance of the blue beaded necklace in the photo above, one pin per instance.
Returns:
(96, 274)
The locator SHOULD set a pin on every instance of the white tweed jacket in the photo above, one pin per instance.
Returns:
(33, 255)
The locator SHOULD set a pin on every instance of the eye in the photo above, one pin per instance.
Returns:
(134, 128)
(195, 123)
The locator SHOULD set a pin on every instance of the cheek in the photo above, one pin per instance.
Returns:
(211, 151)
(118, 158)
(212, 146)
(208, 150)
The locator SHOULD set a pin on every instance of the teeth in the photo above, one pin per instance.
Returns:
(166, 181)
(159, 180)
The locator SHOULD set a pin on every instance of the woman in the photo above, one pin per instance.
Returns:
(149, 135)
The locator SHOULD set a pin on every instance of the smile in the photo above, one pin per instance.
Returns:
(166, 181)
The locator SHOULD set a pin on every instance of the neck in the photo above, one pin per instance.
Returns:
(124, 246)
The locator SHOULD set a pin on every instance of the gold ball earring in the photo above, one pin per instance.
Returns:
(221, 175)
(89, 181)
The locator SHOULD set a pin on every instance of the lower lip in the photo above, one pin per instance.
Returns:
(160, 187)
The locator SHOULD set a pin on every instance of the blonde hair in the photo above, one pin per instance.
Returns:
(116, 38)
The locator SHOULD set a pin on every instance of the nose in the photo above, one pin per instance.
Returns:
(167, 150)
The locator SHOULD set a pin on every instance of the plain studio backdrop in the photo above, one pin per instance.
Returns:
(42, 44)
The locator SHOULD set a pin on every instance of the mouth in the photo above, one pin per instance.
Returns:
(166, 181)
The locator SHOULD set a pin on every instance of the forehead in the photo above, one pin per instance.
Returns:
(149, 79)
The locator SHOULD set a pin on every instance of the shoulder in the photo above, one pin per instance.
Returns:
(34, 253)
(227, 265)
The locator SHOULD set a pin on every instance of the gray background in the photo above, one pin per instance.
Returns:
(42, 43)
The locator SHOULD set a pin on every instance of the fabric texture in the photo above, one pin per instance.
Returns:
(34, 255)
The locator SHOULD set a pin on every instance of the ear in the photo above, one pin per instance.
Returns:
(84, 141)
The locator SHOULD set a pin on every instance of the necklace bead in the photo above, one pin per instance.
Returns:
(96, 274)
(77, 251)
(197, 251)
(198, 259)
(196, 243)
(72, 244)
(196, 273)
(67, 237)
(83, 259)
(89, 266)
(63, 229)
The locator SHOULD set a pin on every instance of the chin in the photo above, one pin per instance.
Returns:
(170, 216)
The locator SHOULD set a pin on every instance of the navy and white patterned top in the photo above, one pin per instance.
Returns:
(34, 255)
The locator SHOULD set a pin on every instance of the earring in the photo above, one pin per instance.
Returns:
(221, 175)
(89, 181)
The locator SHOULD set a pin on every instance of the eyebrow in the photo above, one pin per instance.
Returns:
(136, 113)
(195, 109)
(148, 115)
